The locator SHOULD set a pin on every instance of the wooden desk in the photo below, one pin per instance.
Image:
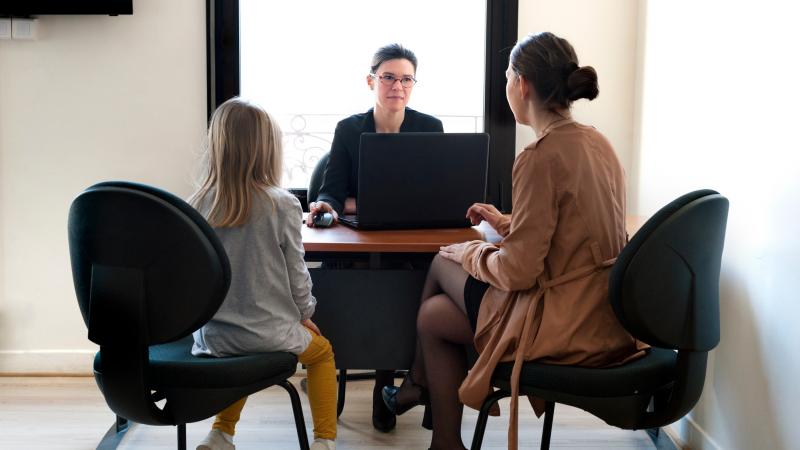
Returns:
(368, 286)
(340, 238)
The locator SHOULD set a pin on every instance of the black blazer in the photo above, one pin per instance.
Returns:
(341, 175)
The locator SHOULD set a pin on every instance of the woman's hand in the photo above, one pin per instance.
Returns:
(350, 205)
(453, 252)
(315, 208)
(311, 326)
(484, 211)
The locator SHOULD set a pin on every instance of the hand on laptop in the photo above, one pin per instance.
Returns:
(484, 211)
(315, 208)
(349, 205)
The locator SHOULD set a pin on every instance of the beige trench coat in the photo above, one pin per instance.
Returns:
(548, 299)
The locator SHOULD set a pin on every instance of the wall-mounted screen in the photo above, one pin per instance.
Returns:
(25, 8)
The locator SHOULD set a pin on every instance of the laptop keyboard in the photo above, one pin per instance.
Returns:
(349, 219)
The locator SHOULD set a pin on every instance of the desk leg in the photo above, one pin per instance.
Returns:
(342, 388)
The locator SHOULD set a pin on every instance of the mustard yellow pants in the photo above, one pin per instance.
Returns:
(321, 372)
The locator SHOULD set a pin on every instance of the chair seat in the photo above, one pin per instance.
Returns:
(173, 365)
(646, 374)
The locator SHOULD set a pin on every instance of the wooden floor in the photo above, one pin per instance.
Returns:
(69, 413)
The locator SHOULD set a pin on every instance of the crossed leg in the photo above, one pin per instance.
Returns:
(443, 331)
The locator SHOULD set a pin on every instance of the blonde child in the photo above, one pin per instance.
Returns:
(269, 304)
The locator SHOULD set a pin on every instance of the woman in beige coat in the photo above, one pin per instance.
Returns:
(540, 294)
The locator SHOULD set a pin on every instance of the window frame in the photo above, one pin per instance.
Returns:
(223, 76)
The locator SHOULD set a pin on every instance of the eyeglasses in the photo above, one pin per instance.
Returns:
(389, 80)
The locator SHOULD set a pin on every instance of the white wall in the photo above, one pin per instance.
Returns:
(97, 98)
(603, 34)
(719, 110)
(93, 98)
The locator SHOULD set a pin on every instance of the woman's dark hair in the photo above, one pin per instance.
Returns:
(392, 51)
(549, 63)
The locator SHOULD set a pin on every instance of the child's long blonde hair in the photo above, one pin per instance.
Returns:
(243, 156)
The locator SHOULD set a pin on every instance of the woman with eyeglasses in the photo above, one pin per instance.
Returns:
(392, 78)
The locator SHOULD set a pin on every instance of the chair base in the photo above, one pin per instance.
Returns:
(483, 417)
(297, 409)
(115, 434)
(660, 439)
(121, 426)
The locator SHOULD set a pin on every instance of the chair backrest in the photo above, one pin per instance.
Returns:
(664, 289)
(147, 267)
(665, 285)
(317, 176)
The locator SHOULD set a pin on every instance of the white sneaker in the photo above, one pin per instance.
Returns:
(217, 440)
(323, 444)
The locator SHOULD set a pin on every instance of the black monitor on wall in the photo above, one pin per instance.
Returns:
(27, 8)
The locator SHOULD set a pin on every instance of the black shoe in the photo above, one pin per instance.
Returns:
(390, 397)
(383, 419)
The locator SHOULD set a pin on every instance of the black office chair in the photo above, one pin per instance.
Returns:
(664, 289)
(148, 270)
(317, 176)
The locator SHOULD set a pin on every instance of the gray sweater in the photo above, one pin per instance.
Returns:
(270, 289)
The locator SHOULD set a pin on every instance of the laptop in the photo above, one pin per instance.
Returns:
(419, 180)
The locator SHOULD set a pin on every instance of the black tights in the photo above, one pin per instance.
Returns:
(443, 330)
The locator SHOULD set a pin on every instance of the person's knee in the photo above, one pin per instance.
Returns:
(439, 264)
(319, 350)
(437, 260)
(326, 349)
(430, 312)
(326, 345)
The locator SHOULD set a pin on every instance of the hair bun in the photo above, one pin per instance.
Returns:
(582, 83)
(568, 69)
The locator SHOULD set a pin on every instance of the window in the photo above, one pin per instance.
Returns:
(306, 63)
(327, 62)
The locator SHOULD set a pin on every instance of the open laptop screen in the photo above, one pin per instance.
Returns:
(420, 180)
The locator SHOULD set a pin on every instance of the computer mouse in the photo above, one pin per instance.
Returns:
(323, 220)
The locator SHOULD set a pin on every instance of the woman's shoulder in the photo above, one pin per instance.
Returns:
(567, 136)
(354, 121)
(589, 131)
(421, 115)
(423, 120)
